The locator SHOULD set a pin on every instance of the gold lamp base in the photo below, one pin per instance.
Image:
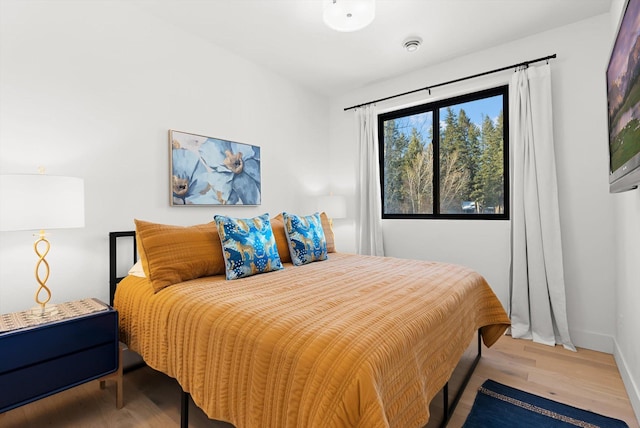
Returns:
(43, 311)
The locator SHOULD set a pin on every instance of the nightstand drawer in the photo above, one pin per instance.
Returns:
(39, 361)
(23, 348)
(40, 380)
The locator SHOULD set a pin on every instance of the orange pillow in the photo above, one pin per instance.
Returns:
(277, 226)
(328, 232)
(172, 254)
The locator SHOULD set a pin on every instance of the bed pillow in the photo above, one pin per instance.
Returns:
(137, 270)
(328, 233)
(172, 254)
(305, 235)
(249, 246)
(277, 225)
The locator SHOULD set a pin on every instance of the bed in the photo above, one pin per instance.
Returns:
(348, 341)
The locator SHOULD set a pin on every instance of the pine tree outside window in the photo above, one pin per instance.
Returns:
(460, 171)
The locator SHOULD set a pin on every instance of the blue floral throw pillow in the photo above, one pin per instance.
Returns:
(248, 245)
(305, 235)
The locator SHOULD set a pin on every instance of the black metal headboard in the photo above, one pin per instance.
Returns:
(114, 279)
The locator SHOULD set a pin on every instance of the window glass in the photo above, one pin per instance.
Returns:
(408, 164)
(457, 169)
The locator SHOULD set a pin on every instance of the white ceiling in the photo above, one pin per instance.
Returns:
(289, 37)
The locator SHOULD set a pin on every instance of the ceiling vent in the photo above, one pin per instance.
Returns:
(412, 44)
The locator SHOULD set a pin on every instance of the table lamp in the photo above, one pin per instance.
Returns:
(39, 202)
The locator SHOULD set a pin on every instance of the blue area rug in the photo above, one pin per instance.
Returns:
(498, 406)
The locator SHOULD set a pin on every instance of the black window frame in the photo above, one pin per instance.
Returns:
(434, 107)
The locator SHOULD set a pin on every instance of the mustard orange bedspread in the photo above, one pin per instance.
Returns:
(353, 341)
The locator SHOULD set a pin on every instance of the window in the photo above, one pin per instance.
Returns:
(457, 170)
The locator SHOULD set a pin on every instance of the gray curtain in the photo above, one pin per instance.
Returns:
(369, 225)
(538, 302)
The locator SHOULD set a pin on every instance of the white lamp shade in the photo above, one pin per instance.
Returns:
(39, 202)
(334, 206)
(348, 15)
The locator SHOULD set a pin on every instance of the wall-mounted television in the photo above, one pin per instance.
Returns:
(623, 96)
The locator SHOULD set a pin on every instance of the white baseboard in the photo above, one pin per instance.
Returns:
(632, 387)
(594, 341)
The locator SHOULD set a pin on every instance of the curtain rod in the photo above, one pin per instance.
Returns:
(428, 88)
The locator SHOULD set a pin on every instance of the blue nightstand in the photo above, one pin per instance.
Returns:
(39, 358)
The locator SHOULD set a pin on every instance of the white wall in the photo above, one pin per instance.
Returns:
(89, 89)
(627, 272)
(586, 210)
(627, 351)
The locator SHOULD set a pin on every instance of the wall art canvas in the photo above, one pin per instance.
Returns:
(212, 171)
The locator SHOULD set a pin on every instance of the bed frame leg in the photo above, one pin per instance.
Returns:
(184, 410)
(445, 407)
(449, 409)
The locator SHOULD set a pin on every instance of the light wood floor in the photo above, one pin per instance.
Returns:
(586, 379)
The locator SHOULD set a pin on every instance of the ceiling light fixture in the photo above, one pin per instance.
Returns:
(348, 15)
(412, 44)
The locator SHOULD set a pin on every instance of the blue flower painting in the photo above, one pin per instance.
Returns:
(211, 171)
